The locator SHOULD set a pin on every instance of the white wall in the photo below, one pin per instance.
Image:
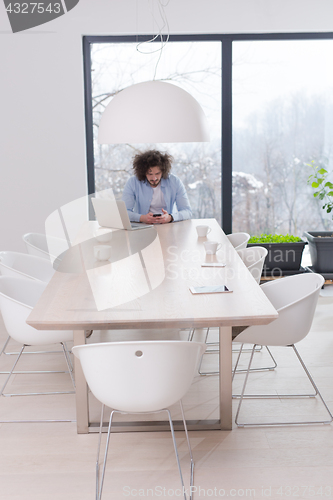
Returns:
(42, 132)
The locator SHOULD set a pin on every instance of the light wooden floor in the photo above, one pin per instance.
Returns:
(49, 461)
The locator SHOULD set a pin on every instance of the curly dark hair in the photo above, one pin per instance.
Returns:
(144, 161)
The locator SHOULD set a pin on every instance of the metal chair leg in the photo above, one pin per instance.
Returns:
(12, 370)
(258, 348)
(263, 368)
(36, 393)
(237, 361)
(68, 362)
(68, 357)
(279, 396)
(312, 383)
(207, 373)
(189, 450)
(5, 345)
(100, 481)
(240, 350)
(99, 488)
(98, 451)
(32, 352)
(208, 352)
(237, 370)
(176, 452)
(191, 334)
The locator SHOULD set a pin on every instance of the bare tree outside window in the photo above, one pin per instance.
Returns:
(282, 121)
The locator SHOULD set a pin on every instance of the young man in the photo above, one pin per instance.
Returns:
(154, 190)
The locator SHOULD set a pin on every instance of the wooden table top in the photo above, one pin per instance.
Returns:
(146, 283)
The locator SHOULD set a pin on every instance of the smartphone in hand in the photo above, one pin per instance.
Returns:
(210, 289)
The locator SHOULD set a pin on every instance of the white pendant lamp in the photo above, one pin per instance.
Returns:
(153, 112)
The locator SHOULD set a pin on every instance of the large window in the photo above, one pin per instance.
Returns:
(194, 66)
(268, 100)
(282, 121)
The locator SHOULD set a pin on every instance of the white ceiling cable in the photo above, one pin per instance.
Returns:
(140, 45)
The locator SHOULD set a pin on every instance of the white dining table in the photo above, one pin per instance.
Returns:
(146, 284)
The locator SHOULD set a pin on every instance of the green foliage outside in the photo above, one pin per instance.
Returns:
(274, 238)
(323, 188)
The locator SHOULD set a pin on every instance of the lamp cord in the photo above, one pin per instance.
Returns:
(161, 6)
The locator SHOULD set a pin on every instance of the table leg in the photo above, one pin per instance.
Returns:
(225, 341)
(82, 409)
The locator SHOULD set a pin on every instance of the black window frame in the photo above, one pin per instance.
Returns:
(226, 98)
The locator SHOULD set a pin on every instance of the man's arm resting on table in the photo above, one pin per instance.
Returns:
(129, 198)
(182, 203)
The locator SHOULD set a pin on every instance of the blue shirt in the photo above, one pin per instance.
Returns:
(137, 196)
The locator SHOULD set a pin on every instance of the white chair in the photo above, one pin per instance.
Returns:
(295, 298)
(50, 248)
(17, 299)
(238, 240)
(25, 266)
(139, 377)
(47, 248)
(253, 258)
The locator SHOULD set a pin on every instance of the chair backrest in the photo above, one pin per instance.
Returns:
(25, 265)
(38, 244)
(140, 376)
(295, 298)
(254, 258)
(18, 296)
(238, 240)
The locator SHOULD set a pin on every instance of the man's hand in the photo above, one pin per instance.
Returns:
(165, 218)
(149, 219)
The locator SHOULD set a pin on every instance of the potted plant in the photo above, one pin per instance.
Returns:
(321, 242)
(284, 253)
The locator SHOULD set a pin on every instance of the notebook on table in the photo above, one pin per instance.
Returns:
(113, 213)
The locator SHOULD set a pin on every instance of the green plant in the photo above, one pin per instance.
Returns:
(274, 238)
(323, 188)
